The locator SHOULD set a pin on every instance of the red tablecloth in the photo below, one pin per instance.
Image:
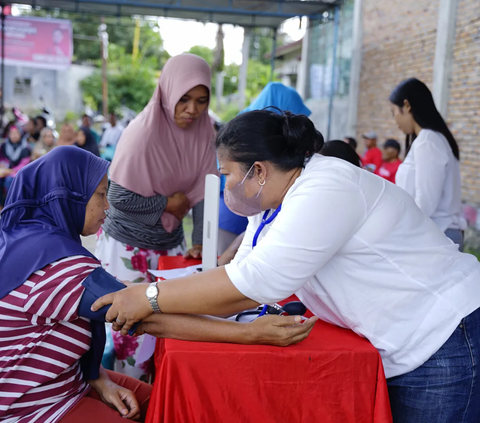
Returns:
(334, 376)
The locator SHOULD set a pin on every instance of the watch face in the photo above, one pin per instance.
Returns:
(151, 291)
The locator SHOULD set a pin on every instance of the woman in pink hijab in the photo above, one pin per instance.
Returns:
(157, 176)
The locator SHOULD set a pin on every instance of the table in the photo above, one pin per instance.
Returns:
(334, 376)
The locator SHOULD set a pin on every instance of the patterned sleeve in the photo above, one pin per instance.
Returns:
(197, 234)
(147, 210)
(56, 290)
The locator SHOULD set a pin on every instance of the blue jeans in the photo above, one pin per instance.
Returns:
(456, 235)
(445, 389)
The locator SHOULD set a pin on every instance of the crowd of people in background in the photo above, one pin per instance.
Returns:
(23, 143)
(350, 265)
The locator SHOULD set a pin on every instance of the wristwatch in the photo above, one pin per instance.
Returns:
(152, 293)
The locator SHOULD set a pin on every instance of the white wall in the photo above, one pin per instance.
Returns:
(60, 89)
(319, 117)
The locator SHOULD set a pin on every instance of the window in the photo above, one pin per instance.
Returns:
(320, 54)
(22, 86)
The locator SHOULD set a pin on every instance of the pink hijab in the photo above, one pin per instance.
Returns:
(155, 156)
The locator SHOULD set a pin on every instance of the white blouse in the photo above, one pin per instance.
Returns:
(431, 175)
(360, 254)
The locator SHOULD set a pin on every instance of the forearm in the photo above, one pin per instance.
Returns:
(102, 378)
(198, 328)
(231, 251)
(209, 292)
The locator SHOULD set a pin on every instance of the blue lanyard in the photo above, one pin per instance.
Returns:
(264, 222)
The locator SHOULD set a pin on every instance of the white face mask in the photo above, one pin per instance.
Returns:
(237, 201)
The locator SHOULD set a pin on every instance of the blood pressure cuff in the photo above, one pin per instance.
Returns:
(97, 284)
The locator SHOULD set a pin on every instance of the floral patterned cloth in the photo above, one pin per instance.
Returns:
(129, 263)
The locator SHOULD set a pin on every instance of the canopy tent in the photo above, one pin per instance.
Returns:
(246, 13)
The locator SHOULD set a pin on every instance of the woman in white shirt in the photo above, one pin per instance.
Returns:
(354, 248)
(431, 170)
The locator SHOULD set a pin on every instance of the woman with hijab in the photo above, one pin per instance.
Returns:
(51, 343)
(86, 140)
(232, 226)
(14, 155)
(157, 176)
(45, 144)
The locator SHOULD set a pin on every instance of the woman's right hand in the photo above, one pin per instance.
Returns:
(280, 331)
(178, 205)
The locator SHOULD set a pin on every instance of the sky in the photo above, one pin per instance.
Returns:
(181, 35)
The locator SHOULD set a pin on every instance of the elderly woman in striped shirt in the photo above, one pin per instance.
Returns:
(51, 343)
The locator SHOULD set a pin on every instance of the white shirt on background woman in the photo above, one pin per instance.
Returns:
(431, 175)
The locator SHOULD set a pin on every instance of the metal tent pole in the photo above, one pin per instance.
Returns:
(334, 65)
(274, 51)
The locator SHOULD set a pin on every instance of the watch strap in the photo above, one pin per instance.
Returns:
(153, 300)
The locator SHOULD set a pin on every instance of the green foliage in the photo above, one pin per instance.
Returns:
(71, 116)
(204, 52)
(228, 112)
(130, 83)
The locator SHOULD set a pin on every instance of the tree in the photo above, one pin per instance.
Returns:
(204, 52)
(129, 83)
(219, 53)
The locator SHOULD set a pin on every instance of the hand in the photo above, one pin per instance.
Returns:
(178, 205)
(4, 172)
(129, 305)
(194, 253)
(280, 330)
(117, 397)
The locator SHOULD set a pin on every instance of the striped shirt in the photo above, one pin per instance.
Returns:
(136, 221)
(41, 341)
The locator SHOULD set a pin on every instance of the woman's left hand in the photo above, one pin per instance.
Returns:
(117, 397)
(194, 253)
(129, 305)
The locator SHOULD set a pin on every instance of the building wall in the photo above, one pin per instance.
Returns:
(464, 100)
(319, 116)
(398, 43)
(60, 90)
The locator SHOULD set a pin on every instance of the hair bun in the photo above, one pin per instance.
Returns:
(301, 136)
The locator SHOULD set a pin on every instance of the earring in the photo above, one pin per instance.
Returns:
(262, 183)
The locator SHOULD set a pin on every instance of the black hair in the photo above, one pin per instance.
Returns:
(7, 128)
(42, 119)
(284, 139)
(391, 142)
(352, 142)
(341, 150)
(423, 110)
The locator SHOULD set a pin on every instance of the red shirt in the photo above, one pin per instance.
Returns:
(373, 156)
(388, 170)
(41, 341)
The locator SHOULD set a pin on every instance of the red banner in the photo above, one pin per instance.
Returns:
(38, 42)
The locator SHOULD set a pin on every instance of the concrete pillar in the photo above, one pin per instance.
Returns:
(303, 68)
(242, 80)
(442, 65)
(286, 80)
(356, 68)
